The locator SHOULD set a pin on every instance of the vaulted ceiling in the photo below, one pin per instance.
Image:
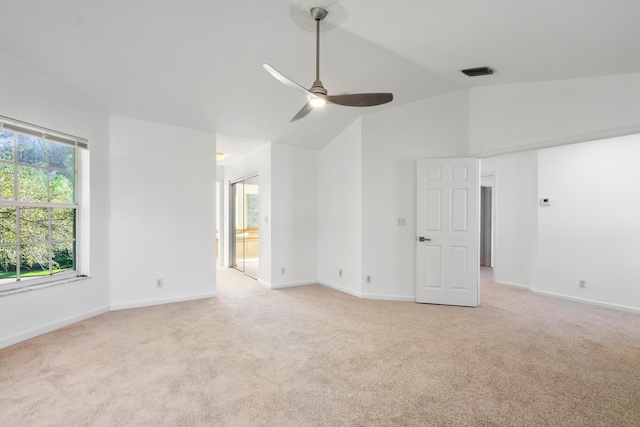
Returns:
(197, 63)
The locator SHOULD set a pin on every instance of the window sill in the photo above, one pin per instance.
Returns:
(42, 285)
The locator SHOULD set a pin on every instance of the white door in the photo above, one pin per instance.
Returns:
(448, 261)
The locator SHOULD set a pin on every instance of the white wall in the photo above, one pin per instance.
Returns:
(294, 215)
(255, 162)
(340, 211)
(30, 96)
(512, 193)
(535, 115)
(392, 141)
(591, 231)
(162, 216)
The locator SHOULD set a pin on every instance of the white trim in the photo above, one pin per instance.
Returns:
(574, 299)
(574, 139)
(397, 298)
(31, 286)
(293, 284)
(261, 282)
(160, 301)
(514, 285)
(587, 301)
(338, 288)
(50, 327)
(13, 125)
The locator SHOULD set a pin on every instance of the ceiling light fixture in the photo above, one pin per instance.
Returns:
(317, 101)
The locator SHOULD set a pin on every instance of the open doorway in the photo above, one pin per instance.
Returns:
(245, 204)
(486, 226)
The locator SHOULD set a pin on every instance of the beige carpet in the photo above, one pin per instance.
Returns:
(312, 356)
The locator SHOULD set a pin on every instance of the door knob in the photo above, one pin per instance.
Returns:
(423, 239)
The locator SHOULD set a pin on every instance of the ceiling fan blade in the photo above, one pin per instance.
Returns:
(303, 112)
(286, 80)
(360, 99)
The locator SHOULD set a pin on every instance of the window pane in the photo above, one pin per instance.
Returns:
(62, 156)
(63, 224)
(7, 224)
(7, 262)
(6, 182)
(32, 184)
(6, 145)
(63, 257)
(62, 187)
(34, 260)
(32, 150)
(34, 224)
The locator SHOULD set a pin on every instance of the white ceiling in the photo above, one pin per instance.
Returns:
(197, 63)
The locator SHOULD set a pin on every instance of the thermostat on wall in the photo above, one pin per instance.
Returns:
(545, 202)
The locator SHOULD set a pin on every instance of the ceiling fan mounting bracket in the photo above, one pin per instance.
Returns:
(318, 13)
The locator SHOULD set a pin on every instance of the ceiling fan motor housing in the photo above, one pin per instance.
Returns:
(318, 88)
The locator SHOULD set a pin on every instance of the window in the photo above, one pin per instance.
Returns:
(38, 205)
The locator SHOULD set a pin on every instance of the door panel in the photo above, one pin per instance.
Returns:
(448, 220)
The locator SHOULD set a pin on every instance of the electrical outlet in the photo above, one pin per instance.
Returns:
(282, 270)
(582, 284)
(340, 272)
(402, 222)
(159, 283)
(368, 278)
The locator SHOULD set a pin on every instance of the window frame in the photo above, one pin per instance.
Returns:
(18, 127)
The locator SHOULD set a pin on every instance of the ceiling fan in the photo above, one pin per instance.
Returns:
(317, 95)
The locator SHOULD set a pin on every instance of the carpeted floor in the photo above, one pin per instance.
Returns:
(312, 356)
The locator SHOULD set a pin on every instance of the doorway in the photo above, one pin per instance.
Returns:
(485, 226)
(487, 216)
(245, 203)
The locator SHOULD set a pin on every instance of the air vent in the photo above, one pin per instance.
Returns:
(480, 71)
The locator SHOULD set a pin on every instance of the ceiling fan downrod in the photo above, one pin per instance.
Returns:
(318, 14)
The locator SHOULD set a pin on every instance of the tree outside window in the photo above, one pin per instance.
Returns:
(38, 207)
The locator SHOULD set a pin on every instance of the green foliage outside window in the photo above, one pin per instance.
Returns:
(36, 232)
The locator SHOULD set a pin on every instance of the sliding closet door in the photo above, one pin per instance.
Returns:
(237, 192)
(251, 226)
(245, 201)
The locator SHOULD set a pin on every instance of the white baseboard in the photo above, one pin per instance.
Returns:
(148, 303)
(32, 333)
(341, 289)
(587, 301)
(515, 285)
(572, 298)
(400, 298)
(294, 284)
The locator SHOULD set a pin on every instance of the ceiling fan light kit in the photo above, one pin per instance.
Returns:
(317, 95)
